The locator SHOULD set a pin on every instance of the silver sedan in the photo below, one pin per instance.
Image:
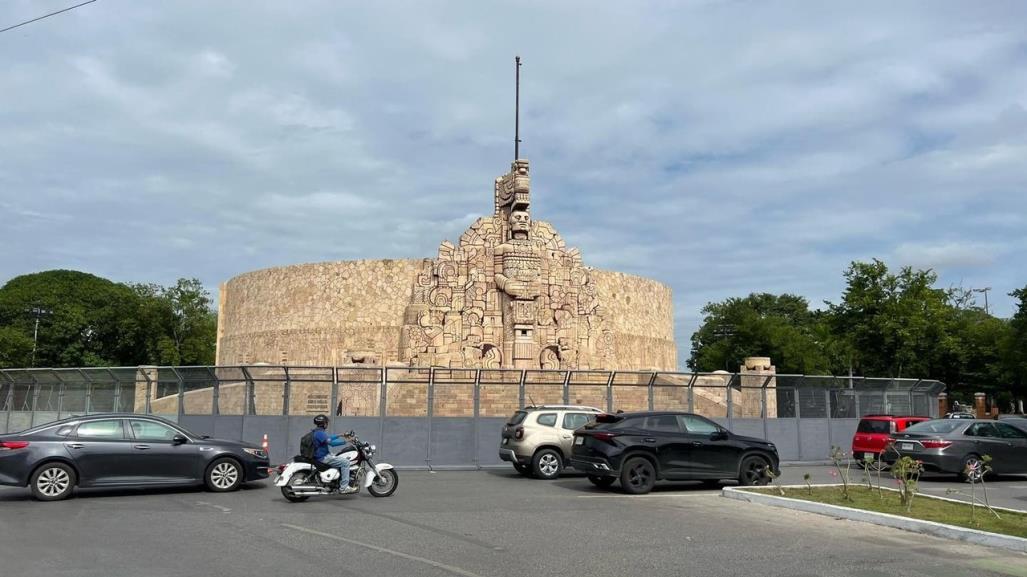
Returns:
(958, 445)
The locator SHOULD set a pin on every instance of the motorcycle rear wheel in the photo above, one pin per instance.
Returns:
(288, 493)
(385, 483)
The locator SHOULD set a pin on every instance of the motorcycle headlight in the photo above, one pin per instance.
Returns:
(258, 453)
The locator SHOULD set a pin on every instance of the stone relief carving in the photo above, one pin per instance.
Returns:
(509, 294)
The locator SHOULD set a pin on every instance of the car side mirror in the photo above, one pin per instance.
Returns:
(718, 435)
(179, 440)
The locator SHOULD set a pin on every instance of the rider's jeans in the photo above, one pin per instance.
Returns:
(340, 462)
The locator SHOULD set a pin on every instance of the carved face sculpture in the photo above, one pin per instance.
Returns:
(520, 223)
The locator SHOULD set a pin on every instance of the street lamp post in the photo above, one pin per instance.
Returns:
(38, 312)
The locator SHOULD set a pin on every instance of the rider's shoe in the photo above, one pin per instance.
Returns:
(349, 489)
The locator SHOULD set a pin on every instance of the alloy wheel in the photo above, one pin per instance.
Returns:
(755, 472)
(224, 475)
(53, 482)
(548, 464)
(640, 475)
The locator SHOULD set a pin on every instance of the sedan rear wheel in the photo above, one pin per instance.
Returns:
(53, 482)
(638, 476)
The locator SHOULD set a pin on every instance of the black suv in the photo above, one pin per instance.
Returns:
(641, 448)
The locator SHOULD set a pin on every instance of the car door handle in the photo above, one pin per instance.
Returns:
(648, 440)
(697, 443)
(74, 445)
(141, 447)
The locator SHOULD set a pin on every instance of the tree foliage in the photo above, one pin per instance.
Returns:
(886, 324)
(85, 320)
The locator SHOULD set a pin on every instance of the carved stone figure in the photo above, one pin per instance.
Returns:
(510, 294)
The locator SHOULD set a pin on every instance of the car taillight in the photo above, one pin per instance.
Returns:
(11, 445)
(935, 444)
(604, 436)
(519, 433)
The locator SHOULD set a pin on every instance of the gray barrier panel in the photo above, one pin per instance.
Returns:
(842, 431)
(452, 442)
(281, 447)
(19, 421)
(228, 427)
(748, 427)
(366, 428)
(815, 444)
(44, 417)
(406, 441)
(784, 434)
(490, 430)
(201, 425)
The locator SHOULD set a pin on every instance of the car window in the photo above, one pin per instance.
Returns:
(517, 418)
(982, 430)
(1009, 432)
(575, 420)
(109, 429)
(547, 419)
(698, 425)
(873, 426)
(632, 423)
(662, 424)
(151, 431)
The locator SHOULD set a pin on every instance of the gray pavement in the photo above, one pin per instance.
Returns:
(485, 523)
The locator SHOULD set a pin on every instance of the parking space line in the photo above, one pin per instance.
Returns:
(651, 496)
(436, 564)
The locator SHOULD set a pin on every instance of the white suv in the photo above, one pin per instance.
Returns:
(537, 440)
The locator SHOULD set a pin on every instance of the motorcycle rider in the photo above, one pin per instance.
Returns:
(322, 442)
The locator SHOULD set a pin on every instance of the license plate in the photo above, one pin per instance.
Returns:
(505, 441)
(579, 440)
(906, 446)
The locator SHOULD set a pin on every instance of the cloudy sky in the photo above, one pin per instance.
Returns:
(720, 147)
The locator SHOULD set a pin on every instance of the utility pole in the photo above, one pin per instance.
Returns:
(517, 109)
(38, 312)
(985, 291)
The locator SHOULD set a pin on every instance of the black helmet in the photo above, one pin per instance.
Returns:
(321, 421)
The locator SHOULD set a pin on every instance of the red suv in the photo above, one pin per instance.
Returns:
(874, 432)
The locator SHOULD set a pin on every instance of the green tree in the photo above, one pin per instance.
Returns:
(87, 320)
(15, 348)
(1014, 347)
(894, 325)
(779, 326)
(182, 322)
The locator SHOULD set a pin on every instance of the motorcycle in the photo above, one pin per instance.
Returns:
(304, 478)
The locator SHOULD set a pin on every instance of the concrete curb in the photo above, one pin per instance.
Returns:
(1011, 543)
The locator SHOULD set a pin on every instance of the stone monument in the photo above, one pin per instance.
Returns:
(510, 294)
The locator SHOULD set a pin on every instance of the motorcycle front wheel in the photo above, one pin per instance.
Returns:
(385, 483)
(287, 492)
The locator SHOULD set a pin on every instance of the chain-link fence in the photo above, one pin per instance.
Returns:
(452, 417)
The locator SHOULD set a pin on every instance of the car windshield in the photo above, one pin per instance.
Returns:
(936, 426)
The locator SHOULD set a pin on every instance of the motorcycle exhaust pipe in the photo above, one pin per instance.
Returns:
(303, 488)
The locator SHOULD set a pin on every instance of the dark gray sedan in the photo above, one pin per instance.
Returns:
(957, 445)
(123, 450)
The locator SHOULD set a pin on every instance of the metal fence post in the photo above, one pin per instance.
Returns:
(763, 408)
(383, 393)
(609, 392)
(9, 402)
(649, 390)
(691, 393)
(567, 388)
(149, 393)
(89, 392)
(60, 394)
(798, 418)
(477, 413)
(116, 402)
(431, 411)
(333, 403)
(520, 388)
(827, 405)
(215, 393)
(285, 392)
(728, 398)
(35, 400)
(181, 391)
(249, 394)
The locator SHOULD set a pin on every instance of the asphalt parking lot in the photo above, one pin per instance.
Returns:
(483, 523)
